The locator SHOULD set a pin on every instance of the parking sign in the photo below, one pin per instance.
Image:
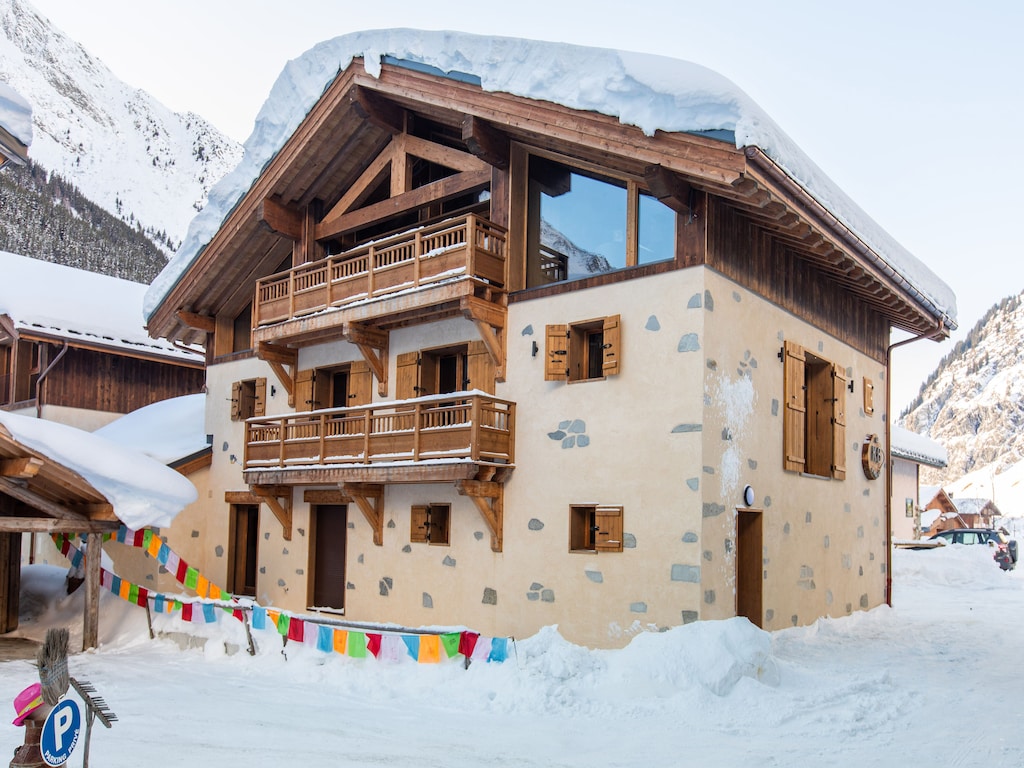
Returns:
(60, 732)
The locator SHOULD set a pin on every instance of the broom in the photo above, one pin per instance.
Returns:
(52, 660)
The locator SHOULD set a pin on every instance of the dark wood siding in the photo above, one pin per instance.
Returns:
(103, 382)
(746, 253)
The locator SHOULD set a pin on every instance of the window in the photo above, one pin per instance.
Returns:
(582, 223)
(248, 399)
(245, 522)
(430, 524)
(595, 528)
(584, 350)
(814, 428)
(458, 368)
(338, 386)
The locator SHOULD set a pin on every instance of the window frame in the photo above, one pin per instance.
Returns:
(248, 398)
(814, 419)
(422, 524)
(585, 533)
(568, 351)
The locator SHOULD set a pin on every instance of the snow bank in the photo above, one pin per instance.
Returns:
(167, 430)
(648, 91)
(142, 491)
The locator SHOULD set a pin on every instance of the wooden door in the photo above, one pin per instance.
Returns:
(245, 524)
(749, 565)
(10, 580)
(330, 523)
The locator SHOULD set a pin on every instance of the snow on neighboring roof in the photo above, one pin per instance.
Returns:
(919, 448)
(15, 114)
(167, 430)
(644, 90)
(970, 506)
(77, 305)
(143, 491)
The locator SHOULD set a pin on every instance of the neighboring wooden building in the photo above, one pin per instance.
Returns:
(73, 347)
(436, 397)
(961, 513)
(909, 452)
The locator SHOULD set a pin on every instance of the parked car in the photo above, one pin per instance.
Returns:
(1005, 548)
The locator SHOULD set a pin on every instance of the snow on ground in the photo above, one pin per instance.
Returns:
(878, 688)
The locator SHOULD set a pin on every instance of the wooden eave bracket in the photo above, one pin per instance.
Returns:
(489, 500)
(369, 497)
(280, 219)
(376, 109)
(486, 142)
(21, 468)
(197, 321)
(373, 345)
(279, 499)
(278, 357)
(490, 320)
(670, 188)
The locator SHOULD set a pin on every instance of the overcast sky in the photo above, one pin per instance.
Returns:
(912, 107)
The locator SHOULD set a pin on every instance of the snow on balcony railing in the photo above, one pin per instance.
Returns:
(462, 425)
(417, 258)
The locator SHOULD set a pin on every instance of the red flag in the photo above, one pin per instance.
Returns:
(467, 642)
(182, 570)
(296, 629)
(373, 643)
(143, 596)
(138, 538)
(186, 611)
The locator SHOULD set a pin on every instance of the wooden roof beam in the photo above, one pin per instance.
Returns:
(21, 468)
(486, 142)
(670, 188)
(378, 110)
(280, 219)
(19, 490)
(197, 321)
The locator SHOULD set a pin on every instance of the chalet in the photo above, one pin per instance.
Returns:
(955, 512)
(492, 346)
(908, 452)
(73, 347)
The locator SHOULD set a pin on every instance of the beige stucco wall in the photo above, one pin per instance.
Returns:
(825, 544)
(904, 486)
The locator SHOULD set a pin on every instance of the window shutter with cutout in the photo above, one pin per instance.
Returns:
(479, 367)
(838, 423)
(795, 411)
(236, 401)
(259, 407)
(608, 537)
(304, 390)
(360, 383)
(869, 396)
(420, 526)
(556, 353)
(407, 375)
(612, 345)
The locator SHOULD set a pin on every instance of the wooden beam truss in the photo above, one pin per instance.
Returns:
(369, 497)
(489, 498)
(279, 499)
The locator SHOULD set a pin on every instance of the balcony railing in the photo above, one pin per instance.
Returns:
(475, 427)
(469, 245)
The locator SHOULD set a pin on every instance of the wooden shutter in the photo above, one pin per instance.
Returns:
(304, 390)
(608, 537)
(795, 412)
(556, 353)
(869, 396)
(479, 367)
(259, 407)
(236, 401)
(420, 524)
(426, 383)
(407, 374)
(612, 346)
(360, 383)
(838, 423)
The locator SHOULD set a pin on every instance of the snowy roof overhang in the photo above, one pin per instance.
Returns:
(917, 448)
(330, 110)
(55, 478)
(43, 301)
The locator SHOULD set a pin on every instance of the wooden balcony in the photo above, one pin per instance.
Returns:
(409, 272)
(458, 436)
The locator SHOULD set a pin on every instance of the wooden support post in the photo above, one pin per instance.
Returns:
(490, 320)
(373, 345)
(91, 624)
(279, 499)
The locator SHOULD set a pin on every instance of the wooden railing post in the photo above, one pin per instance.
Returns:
(417, 421)
(282, 440)
(471, 244)
(323, 438)
(291, 293)
(371, 267)
(367, 421)
(474, 428)
(417, 249)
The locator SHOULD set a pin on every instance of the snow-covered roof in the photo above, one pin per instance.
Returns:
(168, 430)
(15, 114)
(78, 306)
(970, 506)
(644, 90)
(143, 491)
(918, 448)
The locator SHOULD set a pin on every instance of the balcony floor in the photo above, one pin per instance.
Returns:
(399, 472)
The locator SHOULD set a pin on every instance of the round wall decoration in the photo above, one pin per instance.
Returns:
(872, 457)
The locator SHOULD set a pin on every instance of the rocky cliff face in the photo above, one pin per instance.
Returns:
(973, 404)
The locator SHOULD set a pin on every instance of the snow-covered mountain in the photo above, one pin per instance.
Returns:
(973, 404)
(120, 146)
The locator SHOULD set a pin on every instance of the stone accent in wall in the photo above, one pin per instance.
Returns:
(706, 554)
(695, 302)
(349, 585)
(595, 576)
(218, 551)
(195, 534)
(533, 597)
(864, 601)
(693, 483)
(709, 302)
(386, 585)
(449, 561)
(653, 324)
(478, 535)
(535, 524)
(685, 428)
(769, 614)
(391, 523)
(547, 596)
(490, 596)
(428, 601)
(689, 617)
(628, 541)
(690, 537)
(752, 463)
(689, 573)
(712, 509)
(689, 342)
(360, 559)
(709, 596)
(407, 548)
(527, 331)
(712, 365)
(638, 607)
(302, 531)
